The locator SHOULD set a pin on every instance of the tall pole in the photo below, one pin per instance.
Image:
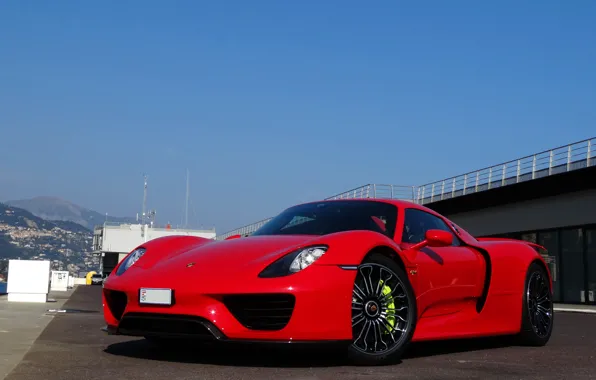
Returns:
(187, 196)
(144, 199)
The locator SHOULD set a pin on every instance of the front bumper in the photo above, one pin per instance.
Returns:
(314, 305)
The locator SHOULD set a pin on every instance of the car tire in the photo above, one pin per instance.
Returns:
(405, 297)
(537, 308)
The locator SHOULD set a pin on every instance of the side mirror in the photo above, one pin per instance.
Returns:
(233, 237)
(438, 238)
(434, 238)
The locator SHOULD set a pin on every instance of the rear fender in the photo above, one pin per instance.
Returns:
(533, 245)
(537, 252)
(509, 262)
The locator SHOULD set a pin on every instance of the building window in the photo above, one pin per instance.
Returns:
(591, 263)
(572, 265)
(531, 237)
(550, 241)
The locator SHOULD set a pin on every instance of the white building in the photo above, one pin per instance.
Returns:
(114, 241)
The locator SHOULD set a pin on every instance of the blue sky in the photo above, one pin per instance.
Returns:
(269, 103)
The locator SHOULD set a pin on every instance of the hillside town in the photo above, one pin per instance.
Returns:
(25, 236)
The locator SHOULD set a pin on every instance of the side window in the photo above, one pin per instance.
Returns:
(416, 224)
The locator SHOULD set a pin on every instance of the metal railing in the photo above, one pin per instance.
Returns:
(380, 191)
(563, 159)
(243, 231)
(559, 160)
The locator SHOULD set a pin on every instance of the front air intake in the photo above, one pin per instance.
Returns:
(116, 302)
(261, 311)
(168, 325)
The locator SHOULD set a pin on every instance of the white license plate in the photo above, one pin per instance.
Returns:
(149, 296)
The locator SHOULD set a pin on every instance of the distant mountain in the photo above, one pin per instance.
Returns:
(66, 244)
(57, 209)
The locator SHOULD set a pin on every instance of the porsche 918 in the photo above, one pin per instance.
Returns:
(372, 274)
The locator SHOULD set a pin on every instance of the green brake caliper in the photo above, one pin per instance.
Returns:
(390, 302)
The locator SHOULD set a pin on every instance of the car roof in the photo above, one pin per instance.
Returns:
(403, 204)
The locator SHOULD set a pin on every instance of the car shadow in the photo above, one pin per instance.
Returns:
(446, 347)
(232, 354)
(296, 356)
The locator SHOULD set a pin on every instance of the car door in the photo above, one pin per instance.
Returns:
(447, 277)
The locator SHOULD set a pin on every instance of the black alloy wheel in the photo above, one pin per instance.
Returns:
(383, 312)
(538, 307)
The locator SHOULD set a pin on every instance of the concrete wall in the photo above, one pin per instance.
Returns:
(559, 211)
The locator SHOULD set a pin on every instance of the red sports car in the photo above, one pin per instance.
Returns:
(373, 274)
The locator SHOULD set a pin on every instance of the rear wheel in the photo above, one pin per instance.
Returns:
(383, 312)
(538, 312)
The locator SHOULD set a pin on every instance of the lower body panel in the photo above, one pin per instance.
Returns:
(314, 306)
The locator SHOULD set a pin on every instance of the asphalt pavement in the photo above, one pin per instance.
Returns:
(73, 347)
(20, 326)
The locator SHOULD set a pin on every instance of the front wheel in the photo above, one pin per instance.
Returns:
(383, 312)
(538, 308)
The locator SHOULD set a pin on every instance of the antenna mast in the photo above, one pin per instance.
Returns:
(144, 199)
(187, 196)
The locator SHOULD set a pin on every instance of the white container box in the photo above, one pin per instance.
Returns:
(59, 281)
(29, 280)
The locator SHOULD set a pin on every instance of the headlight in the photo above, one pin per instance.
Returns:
(130, 260)
(294, 262)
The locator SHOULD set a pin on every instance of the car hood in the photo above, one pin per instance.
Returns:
(248, 255)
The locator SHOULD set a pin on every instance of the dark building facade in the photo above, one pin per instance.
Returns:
(556, 210)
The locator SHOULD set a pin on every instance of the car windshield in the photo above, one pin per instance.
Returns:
(333, 216)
